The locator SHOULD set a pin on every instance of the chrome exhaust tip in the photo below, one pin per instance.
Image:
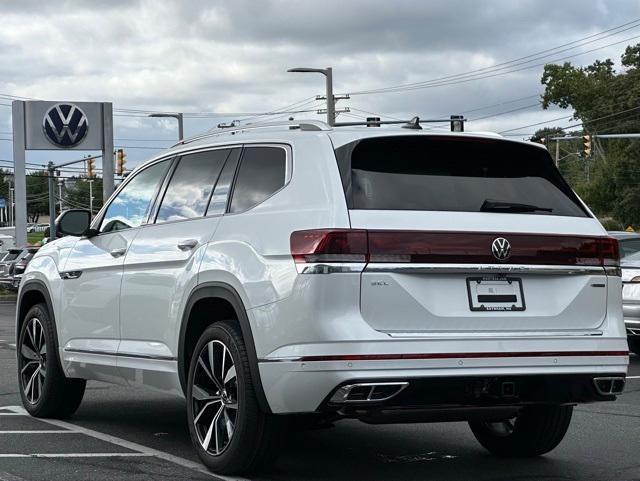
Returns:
(367, 392)
(609, 385)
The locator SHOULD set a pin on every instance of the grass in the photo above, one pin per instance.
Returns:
(6, 294)
(33, 237)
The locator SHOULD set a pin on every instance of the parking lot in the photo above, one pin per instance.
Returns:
(125, 434)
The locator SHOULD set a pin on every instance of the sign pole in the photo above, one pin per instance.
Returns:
(107, 151)
(19, 172)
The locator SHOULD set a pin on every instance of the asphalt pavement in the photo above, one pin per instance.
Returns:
(134, 435)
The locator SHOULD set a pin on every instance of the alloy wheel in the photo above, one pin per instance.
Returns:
(33, 357)
(214, 397)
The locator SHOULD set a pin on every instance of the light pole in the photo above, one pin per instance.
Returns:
(12, 216)
(178, 116)
(328, 73)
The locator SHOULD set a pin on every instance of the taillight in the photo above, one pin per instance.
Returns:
(326, 245)
(437, 247)
(609, 251)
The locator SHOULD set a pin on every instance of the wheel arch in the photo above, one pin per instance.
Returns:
(218, 291)
(34, 292)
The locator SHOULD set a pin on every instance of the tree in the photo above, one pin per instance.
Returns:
(77, 195)
(37, 195)
(605, 101)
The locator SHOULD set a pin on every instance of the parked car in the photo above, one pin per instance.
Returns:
(630, 263)
(12, 256)
(296, 269)
(6, 242)
(16, 269)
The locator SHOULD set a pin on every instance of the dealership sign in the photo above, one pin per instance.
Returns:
(64, 125)
(58, 125)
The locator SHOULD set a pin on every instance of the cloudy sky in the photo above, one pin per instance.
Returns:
(223, 60)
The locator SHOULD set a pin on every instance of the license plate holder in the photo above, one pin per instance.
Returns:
(495, 293)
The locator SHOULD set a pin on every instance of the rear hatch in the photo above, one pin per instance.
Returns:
(472, 234)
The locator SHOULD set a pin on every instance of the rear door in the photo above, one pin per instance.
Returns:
(471, 234)
(162, 262)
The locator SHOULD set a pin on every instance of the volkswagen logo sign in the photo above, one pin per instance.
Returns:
(500, 248)
(65, 125)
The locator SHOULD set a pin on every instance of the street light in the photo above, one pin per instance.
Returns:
(327, 72)
(177, 116)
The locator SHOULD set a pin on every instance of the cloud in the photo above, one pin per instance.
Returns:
(221, 56)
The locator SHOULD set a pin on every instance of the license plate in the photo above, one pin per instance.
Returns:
(495, 293)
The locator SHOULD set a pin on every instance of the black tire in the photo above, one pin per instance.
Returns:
(256, 436)
(634, 346)
(535, 431)
(50, 394)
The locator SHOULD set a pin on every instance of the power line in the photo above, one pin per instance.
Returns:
(570, 116)
(438, 81)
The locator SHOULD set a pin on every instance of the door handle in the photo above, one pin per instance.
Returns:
(188, 244)
(118, 252)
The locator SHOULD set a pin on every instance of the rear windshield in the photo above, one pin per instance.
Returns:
(461, 174)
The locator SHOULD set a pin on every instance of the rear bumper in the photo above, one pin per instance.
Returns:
(306, 383)
(474, 397)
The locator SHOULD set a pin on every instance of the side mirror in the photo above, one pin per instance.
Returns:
(73, 222)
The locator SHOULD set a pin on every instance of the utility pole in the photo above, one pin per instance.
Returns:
(331, 101)
(60, 193)
(12, 216)
(557, 153)
(91, 196)
(52, 201)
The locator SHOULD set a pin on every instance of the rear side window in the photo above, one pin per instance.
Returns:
(262, 172)
(189, 189)
(453, 174)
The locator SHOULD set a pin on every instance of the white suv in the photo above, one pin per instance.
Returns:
(294, 270)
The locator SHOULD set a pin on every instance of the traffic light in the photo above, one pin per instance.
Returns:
(120, 161)
(91, 167)
(586, 146)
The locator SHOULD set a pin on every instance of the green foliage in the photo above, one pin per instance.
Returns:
(76, 194)
(605, 101)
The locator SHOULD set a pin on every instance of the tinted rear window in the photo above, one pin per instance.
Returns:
(451, 174)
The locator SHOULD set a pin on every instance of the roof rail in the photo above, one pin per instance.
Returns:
(293, 125)
(456, 121)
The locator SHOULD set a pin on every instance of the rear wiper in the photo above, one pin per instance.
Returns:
(497, 206)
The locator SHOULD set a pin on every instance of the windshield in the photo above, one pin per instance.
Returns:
(453, 174)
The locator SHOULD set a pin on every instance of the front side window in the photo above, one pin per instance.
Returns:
(130, 207)
(190, 186)
(262, 172)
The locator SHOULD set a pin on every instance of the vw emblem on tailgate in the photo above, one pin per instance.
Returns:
(65, 125)
(501, 248)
